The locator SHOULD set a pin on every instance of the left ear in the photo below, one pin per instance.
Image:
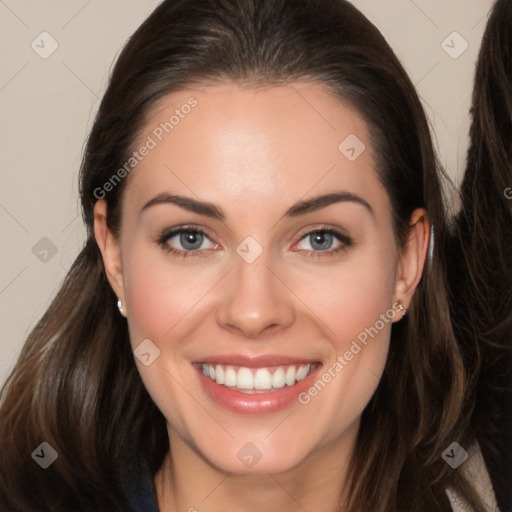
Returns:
(412, 257)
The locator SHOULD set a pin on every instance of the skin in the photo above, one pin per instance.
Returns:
(254, 152)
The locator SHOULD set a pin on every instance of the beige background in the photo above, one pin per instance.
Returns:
(48, 105)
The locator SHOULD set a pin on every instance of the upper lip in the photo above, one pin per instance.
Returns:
(255, 361)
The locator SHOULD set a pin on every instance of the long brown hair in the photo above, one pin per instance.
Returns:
(480, 253)
(75, 384)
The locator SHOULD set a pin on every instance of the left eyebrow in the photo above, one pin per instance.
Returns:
(318, 202)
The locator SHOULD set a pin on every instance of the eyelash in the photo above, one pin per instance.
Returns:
(166, 235)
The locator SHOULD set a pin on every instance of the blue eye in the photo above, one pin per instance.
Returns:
(191, 239)
(321, 241)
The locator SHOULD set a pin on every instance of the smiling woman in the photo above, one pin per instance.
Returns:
(271, 242)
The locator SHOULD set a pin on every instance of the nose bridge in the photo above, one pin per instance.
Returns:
(255, 300)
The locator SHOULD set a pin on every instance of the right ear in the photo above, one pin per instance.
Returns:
(110, 249)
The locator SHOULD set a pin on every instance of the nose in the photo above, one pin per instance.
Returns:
(255, 302)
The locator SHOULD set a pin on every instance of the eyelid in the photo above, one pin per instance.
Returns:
(323, 227)
(170, 232)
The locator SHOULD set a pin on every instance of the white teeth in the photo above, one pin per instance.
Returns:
(302, 372)
(261, 379)
(230, 377)
(219, 374)
(245, 379)
(290, 376)
(278, 378)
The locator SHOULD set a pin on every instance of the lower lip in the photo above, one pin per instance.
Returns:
(258, 403)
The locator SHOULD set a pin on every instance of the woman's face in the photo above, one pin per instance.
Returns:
(284, 289)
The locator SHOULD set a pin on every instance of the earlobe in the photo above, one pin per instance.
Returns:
(412, 257)
(110, 249)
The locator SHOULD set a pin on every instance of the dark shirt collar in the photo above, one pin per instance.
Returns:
(140, 489)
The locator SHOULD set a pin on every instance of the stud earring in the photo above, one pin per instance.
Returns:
(120, 306)
(401, 307)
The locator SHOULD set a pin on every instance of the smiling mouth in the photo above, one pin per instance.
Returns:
(257, 380)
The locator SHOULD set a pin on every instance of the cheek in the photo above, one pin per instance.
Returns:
(160, 294)
(160, 299)
(350, 297)
(354, 304)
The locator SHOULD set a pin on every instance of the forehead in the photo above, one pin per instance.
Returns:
(233, 144)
